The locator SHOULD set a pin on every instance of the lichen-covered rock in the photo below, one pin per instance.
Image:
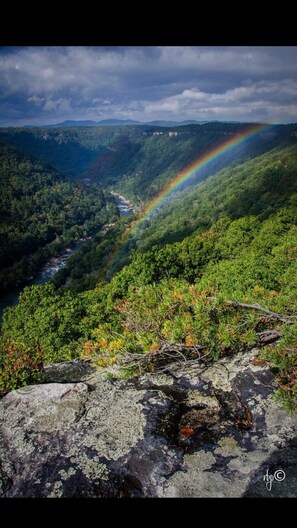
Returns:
(236, 450)
(68, 371)
(62, 440)
(210, 431)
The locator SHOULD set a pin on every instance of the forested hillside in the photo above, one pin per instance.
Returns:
(139, 160)
(258, 187)
(41, 213)
(215, 272)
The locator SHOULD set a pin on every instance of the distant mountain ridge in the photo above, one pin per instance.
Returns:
(115, 122)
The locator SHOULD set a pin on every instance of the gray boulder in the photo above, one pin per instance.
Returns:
(210, 431)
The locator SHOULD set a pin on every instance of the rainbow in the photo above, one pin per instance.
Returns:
(191, 170)
(174, 185)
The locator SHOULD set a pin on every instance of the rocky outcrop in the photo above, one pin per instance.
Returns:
(68, 371)
(210, 431)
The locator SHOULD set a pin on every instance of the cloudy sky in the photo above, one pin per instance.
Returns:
(45, 85)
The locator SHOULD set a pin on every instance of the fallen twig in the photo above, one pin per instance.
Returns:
(268, 336)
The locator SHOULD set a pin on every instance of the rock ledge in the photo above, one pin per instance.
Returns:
(208, 432)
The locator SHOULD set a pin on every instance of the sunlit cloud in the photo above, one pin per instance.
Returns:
(41, 85)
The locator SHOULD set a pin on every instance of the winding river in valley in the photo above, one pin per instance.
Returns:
(56, 263)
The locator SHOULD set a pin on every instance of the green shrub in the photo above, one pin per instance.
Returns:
(19, 366)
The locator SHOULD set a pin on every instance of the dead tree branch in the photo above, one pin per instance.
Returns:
(268, 336)
(278, 317)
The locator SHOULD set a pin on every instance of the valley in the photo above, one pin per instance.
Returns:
(142, 267)
(137, 161)
(55, 264)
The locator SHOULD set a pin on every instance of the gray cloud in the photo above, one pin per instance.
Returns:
(49, 84)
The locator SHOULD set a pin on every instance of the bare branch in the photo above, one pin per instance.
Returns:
(282, 318)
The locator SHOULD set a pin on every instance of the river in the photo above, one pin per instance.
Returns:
(47, 272)
(124, 206)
